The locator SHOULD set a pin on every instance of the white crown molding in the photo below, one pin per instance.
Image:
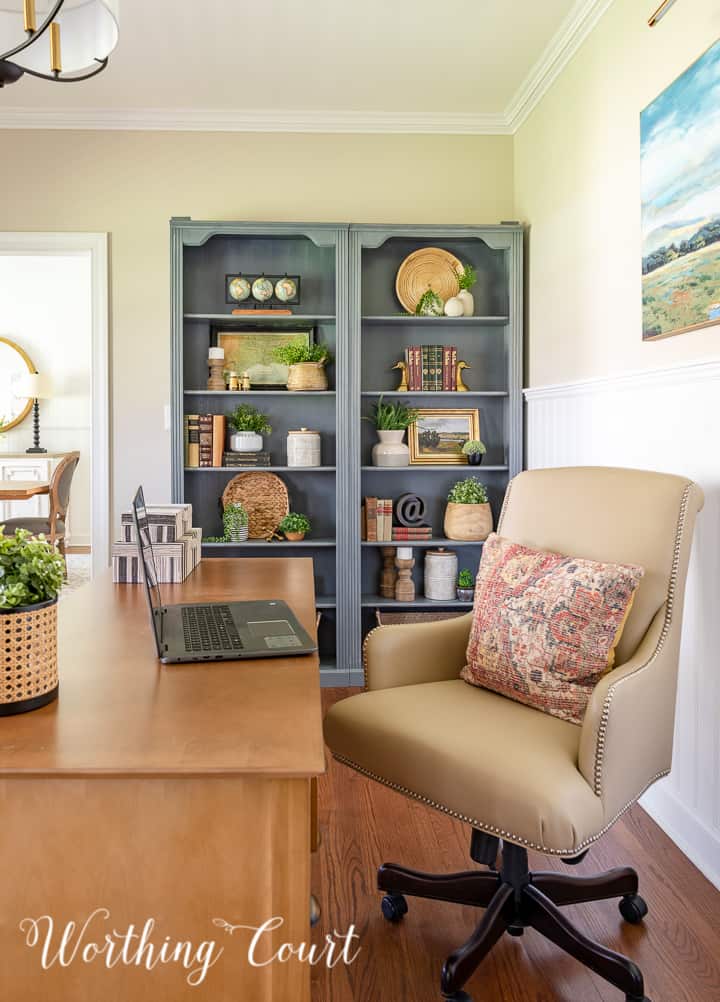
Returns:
(194, 120)
(687, 372)
(562, 47)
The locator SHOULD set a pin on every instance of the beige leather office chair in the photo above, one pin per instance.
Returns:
(518, 776)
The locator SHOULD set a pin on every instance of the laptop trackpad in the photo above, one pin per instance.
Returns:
(274, 633)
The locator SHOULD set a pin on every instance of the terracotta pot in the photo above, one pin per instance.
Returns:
(294, 537)
(307, 376)
(468, 521)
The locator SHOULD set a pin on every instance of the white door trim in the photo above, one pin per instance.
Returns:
(97, 245)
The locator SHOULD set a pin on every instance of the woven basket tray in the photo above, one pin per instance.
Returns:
(429, 267)
(264, 497)
(28, 658)
(393, 618)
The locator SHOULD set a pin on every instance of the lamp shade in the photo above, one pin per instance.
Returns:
(33, 386)
(88, 32)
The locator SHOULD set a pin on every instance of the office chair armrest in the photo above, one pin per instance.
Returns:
(411, 653)
(627, 734)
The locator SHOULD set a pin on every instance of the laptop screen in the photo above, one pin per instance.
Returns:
(147, 556)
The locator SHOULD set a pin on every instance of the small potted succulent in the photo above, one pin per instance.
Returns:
(235, 523)
(31, 576)
(466, 280)
(295, 526)
(250, 426)
(430, 304)
(468, 515)
(465, 586)
(474, 449)
(391, 422)
(306, 365)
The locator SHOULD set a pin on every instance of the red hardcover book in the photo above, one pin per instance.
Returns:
(206, 439)
(388, 512)
(446, 367)
(418, 368)
(453, 367)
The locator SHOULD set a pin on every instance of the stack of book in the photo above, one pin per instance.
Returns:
(176, 545)
(246, 459)
(411, 534)
(377, 520)
(204, 439)
(431, 367)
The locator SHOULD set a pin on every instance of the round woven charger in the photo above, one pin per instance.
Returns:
(429, 266)
(263, 496)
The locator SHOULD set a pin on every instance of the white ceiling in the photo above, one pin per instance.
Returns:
(367, 65)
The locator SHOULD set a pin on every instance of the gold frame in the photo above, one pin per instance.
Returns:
(31, 368)
(416, 459)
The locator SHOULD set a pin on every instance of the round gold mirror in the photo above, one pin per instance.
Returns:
(14, 364)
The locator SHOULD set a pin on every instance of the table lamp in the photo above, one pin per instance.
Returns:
(34, 386)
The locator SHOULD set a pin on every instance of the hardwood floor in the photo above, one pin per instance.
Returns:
(364, 824)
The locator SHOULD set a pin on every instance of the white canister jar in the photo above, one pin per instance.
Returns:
(303, 448)
(441, 568)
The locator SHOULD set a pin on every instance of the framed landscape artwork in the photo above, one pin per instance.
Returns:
(251, 351)
(438, 435)
(680, 157)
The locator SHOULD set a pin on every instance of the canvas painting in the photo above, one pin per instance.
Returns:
(438, 434)
(680, 156)
(251, 351)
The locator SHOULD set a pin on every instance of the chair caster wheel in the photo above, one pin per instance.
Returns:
(633, 909)
(515, 930)
(457, 997)
(394, 907)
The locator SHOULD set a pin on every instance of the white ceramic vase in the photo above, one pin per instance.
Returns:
(246, 441)
(390, 450)
(467, 299)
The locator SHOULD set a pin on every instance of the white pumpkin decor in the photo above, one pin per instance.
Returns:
(454, 307)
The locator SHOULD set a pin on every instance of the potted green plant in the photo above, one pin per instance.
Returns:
(306, 364)
(31, 576)
(466, 280)
(474, 449)
(468, 515)
(250, 425)
(295, 526)
(430, 304)
(235, 523)
(465, 586)
(391, 422)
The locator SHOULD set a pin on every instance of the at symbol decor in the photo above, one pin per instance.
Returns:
(90, 34)
(410, 510)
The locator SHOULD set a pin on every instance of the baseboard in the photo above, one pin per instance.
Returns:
(692, 836)
(78, 549)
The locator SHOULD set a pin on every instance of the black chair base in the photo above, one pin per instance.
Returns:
(515, 899)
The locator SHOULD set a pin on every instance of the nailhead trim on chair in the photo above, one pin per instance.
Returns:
(605, 715)
(491, 829)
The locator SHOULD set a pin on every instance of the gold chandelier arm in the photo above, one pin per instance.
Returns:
(102, 63)
(34, 36)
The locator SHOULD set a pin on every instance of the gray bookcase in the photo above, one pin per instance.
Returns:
(348, 295)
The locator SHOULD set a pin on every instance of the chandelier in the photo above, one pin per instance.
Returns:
(65, 41)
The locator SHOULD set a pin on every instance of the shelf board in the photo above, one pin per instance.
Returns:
(253, 544)
(435, 393)
(371, 601)
(426, 543)
(325, 602)
(411, 320)
(269, 469)
(431, 468)
(259, 393)
(266, 318)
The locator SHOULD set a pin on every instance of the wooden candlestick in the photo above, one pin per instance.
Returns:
(216, 380)
(388, 576)
(405, 586)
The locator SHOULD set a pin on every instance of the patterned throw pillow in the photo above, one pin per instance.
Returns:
(545, 627)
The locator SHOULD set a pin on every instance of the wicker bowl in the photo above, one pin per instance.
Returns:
(264, 497)
(307, 376)
(28, 657)
(429, 267)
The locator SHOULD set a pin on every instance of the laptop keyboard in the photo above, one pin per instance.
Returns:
(210, 628)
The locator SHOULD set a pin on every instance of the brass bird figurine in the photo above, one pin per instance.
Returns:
(459, 382)
(403, 387)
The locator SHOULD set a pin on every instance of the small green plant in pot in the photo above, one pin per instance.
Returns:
(465, 586)
(474, 449)
(249, 426)
(391, 421)
(295, 526)
(468, 515)
(31, 576)
(430, 304)
(235, 523)
(466, 280)
(306, 364)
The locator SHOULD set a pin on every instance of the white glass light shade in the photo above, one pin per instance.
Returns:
(33, 386)
(88, 32)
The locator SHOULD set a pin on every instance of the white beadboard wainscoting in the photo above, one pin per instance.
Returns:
(669, 420)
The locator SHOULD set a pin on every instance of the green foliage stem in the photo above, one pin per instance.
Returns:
(31, 571)
(468, 491)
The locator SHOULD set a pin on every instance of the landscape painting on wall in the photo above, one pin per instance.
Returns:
(680, 156)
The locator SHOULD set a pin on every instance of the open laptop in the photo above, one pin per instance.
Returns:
(215, 631)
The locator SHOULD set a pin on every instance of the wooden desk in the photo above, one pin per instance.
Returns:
(22, 490)
(179, 793)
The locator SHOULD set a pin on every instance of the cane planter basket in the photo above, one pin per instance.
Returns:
(263, 496)
(28, 657)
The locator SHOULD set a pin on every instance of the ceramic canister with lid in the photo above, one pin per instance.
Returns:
(441, 567)
(303, 447)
